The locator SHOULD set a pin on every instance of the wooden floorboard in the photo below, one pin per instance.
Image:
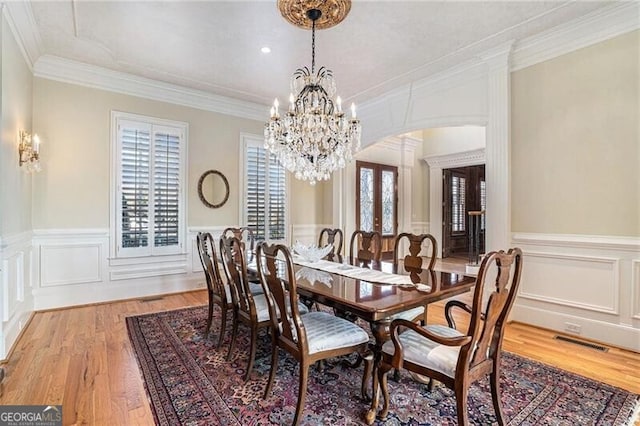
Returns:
(81, 358)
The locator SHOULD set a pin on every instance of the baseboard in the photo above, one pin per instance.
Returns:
(12, 333)
(618, 335)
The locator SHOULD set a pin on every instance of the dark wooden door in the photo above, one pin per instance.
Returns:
(377, 202)
(463, 191)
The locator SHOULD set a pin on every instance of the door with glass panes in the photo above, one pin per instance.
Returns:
(377, 202)
(464, 191)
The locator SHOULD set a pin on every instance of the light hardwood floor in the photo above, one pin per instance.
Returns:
(81, 358)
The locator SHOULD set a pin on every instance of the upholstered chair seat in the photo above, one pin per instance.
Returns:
(425, 352)
(326, 332)
(409, 314)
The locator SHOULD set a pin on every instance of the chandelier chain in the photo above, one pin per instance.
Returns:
(313, 47)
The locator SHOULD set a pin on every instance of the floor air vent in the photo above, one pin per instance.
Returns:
(151, 299)
(582, 343)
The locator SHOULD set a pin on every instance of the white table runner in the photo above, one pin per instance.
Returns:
(355, 272)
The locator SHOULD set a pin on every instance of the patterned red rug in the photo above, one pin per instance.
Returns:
(190, 382)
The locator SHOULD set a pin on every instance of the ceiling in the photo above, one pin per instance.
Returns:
(214, 46)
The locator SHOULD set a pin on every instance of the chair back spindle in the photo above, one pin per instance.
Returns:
(235, 268)
(487, 326)
(246, 237)
(413, 262)
(282, 298)
(331, 236)
(367, 247)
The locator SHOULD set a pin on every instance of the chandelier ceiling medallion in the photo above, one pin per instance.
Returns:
(313, 137)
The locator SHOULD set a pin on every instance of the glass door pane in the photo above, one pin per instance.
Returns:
(388, 202)
(366, 199)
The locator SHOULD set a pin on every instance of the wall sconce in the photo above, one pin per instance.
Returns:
(29, 151)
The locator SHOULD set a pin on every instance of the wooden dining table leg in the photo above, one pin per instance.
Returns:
(380, 330)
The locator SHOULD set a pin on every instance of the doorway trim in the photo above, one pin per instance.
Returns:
(436, 164)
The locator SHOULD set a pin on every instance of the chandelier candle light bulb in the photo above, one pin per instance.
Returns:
(313, 138)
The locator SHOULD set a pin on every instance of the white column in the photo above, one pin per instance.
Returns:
(405, 182)
(498, 153)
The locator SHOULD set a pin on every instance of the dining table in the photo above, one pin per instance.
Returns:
(374, 292)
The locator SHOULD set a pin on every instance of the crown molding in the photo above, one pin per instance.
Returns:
(73, 72)
(595, 27)
(457, 159)
(23, 25)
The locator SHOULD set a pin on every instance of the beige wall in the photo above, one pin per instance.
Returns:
(449, 140)
(575, 142)
(15, 195)
(306, 203)
(72, 191)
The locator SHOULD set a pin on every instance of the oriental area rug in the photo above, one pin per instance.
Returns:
(189, 382)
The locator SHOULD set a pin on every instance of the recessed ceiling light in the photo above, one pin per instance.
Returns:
(266, 49)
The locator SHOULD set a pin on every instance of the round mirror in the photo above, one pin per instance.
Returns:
(213, 189)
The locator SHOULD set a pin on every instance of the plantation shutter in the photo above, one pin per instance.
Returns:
(150, 198)
(266, 194)
(256, 191)
(458, 203)
(134, 185)
(166, 187)
(277, 199)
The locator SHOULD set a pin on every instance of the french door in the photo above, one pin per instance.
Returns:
(377, 202)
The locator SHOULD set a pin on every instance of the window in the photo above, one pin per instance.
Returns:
(149, 210)
(483, 202)
(264, 205)
(458, 201)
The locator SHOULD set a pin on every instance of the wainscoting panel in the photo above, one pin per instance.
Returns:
(6, 298)
(70, 264)
(583, 285)
(73, 267)
(635, 287)
(589, 283)
(15, 288)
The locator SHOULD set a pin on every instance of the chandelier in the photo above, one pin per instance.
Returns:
(313, 138)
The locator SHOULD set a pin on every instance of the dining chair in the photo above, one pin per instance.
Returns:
(455, 358)
(331, 236)
(367, 247)
(308, 338)
(249, 308)
(247, 241)
(218, 291)
(413, 264)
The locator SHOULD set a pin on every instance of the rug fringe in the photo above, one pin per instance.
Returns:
(635, 415)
